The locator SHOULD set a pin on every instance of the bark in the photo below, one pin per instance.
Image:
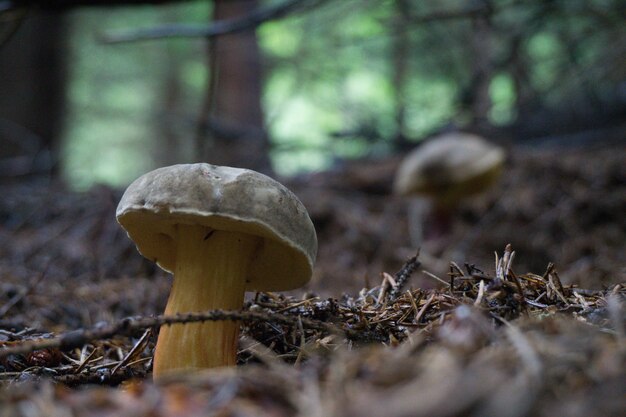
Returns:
(232, 129)
(171, 146)
(400, 59)
(482, 67)
(32, 95)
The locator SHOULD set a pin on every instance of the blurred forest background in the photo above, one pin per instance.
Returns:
(100, 92)
(328, 95)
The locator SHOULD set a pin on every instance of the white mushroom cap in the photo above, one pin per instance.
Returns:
(450, 166)
(222, 198)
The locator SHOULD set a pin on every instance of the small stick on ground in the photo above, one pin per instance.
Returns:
(454, 271)
(420, 314)
(81, 337)
(139, 346)
(403, 275)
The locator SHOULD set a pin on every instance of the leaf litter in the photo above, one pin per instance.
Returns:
(475, 342)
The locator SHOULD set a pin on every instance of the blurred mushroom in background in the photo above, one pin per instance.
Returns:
(439, 175)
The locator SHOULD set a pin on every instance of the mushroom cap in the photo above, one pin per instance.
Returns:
(450, 167)
(222, 198)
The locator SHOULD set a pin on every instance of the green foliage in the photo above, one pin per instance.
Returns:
(544, 49)
(329, 89)
(502, 93)
(112, 135)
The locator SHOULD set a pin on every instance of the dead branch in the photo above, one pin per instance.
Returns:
(218, 28)
(127, 326)
(403, 275)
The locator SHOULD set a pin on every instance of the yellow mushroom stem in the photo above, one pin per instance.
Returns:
(210, 273)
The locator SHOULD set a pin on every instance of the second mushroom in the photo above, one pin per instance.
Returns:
(445, 170)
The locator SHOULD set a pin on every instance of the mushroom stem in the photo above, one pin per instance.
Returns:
(440, 222)
(417, 211)
(210, 273)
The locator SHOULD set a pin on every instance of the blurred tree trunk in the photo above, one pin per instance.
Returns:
(169, 150)
(520, 72)
(482, 46)
(32, 95)
(232, 128)
(400, 59)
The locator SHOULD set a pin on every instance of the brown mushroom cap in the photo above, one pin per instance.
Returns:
(222, 198)
(450, 167)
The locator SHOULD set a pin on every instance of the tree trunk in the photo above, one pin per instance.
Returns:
(32, 95)
(170, 146)
(400, 59)
(232, 127)
(482, 68)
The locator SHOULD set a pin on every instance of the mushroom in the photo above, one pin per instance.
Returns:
(221, 231)
(446, 170)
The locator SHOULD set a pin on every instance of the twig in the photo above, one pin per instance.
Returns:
(403, 275)
(552, 270)
(388, 281)
(420, 314)
(454, 267)
(550, 277)
(414, 301)
(85, 361)
(520, 290)
(218, 28)
(433, 276)
(128, 325)
(481, 293)
(502, 264)
(139, 346)
(295, 305)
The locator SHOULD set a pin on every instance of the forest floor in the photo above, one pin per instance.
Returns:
(537, 333)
